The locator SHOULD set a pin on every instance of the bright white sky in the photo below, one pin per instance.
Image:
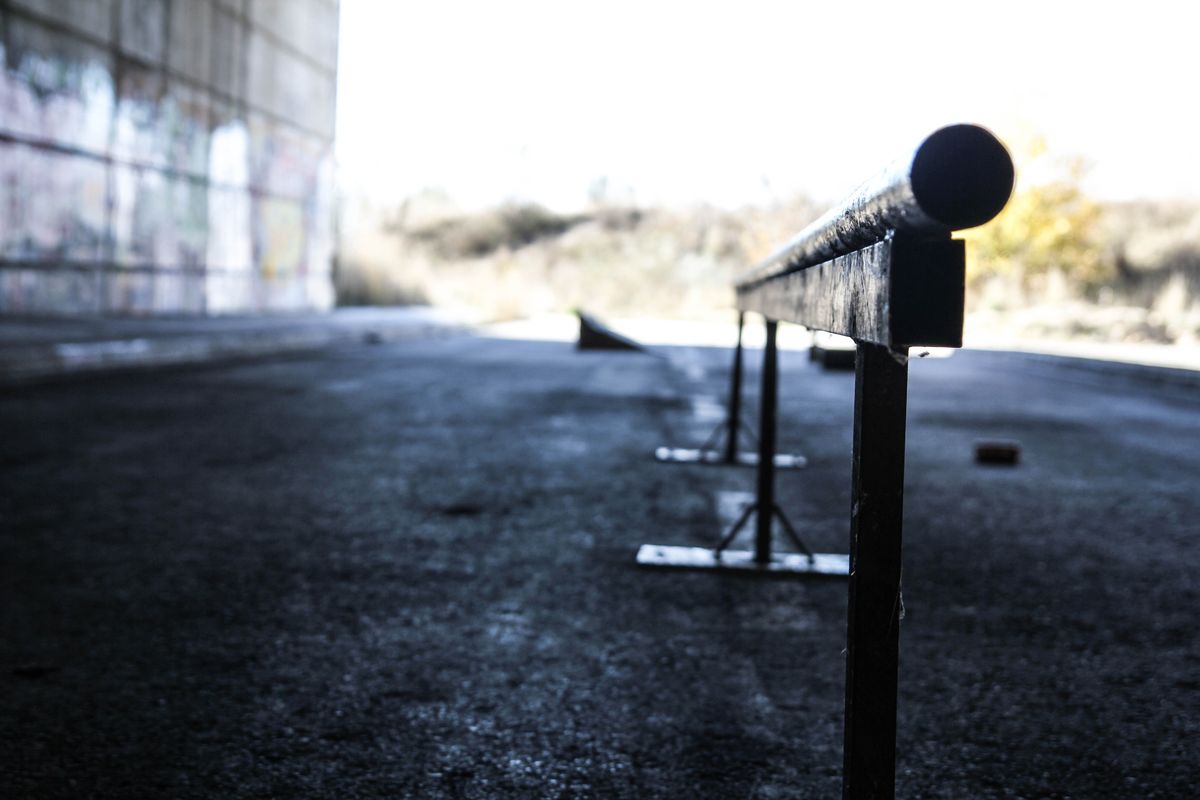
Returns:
(747, 101)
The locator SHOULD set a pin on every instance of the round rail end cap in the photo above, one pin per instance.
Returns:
(962, 176)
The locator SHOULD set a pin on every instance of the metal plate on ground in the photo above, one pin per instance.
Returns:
(716, 458)
(671, 557)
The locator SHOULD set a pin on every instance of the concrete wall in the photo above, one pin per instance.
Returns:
(166, 156)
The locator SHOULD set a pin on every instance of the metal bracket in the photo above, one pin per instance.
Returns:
(836, 565)
(715, 458)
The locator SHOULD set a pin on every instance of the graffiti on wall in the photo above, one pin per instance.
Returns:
(53, 206)
(146, 176)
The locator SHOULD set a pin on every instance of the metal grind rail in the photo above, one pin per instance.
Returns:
(882, 269)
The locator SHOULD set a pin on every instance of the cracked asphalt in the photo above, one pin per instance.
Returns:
(406, 570)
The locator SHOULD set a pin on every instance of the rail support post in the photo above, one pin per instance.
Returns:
(759, 560)
(768, 414)
(730, 427)
(734, 419)
(877, 505)
(764, 507)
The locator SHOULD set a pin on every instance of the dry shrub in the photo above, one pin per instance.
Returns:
(509, 227)
(522, 260)
(1131, 273)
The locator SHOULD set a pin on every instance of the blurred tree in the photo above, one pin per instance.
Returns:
(1049, 225)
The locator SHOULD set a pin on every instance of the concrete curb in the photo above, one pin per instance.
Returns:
(54, 350)
(1122, 370)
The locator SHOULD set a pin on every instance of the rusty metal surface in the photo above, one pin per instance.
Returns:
(958, 177)
(898, 293)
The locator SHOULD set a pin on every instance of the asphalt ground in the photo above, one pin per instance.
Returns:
(406, 570)
(33, 350)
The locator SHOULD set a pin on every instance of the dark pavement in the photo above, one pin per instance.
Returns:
(33, 350)
(406, 570)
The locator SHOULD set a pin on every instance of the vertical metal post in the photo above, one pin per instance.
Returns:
(735, 398)
(877, 505)
(765, 500)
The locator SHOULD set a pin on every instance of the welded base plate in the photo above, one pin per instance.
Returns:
(716, 458)
(670, 557)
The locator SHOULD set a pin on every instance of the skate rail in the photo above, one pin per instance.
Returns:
(882, 269)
